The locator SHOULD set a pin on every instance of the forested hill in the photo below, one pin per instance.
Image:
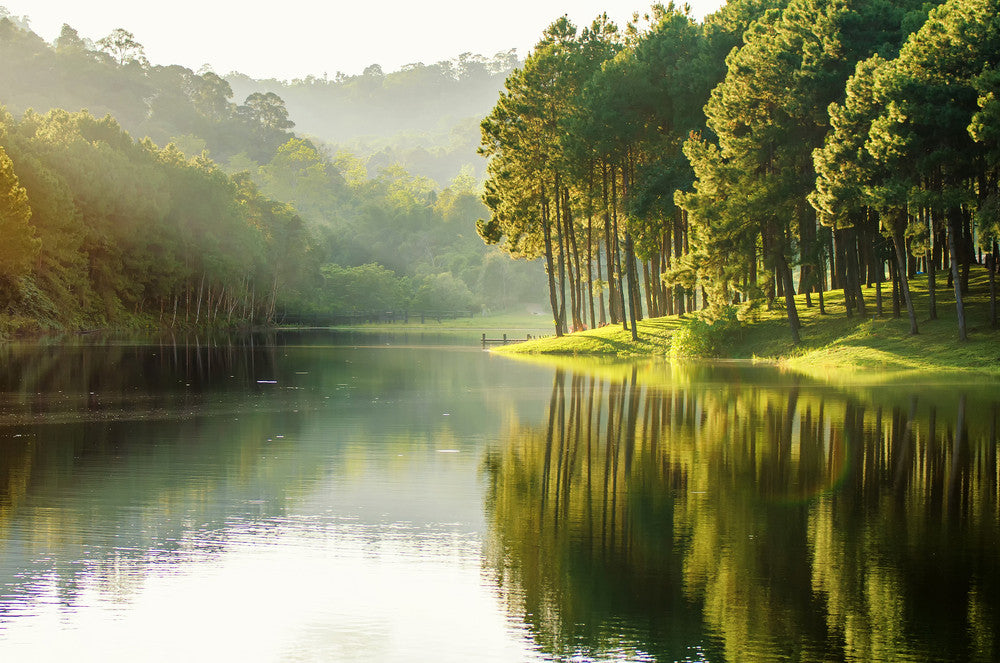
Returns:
(418, 98)
(113, 77)
(424, 117)
(167, 203)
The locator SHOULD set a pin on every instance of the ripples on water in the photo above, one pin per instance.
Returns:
(313, 498)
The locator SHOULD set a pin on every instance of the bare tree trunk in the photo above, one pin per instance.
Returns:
(201, 289)
(793, 314)
(991, 268)
(562, 258)
(901, 268)
(550, 266)
(616, 255)
(954, 228)
(633, 287)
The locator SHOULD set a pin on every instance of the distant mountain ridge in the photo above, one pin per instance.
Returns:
(417, 98)
(424, 117)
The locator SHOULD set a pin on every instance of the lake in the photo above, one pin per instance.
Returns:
(321, 496)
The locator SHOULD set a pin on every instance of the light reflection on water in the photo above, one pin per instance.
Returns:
(306, 499)
(295, 590)
(212, 517)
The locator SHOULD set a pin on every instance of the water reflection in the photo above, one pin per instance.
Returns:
(734, 514)
(315, 497)
(284, 498)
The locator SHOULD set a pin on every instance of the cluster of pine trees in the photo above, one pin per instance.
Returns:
(777, 146)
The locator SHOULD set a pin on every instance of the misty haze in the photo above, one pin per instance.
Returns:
(606, 336)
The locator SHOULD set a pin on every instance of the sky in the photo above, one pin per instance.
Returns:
(295, 38)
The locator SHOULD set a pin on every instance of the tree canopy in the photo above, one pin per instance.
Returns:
(774, 149)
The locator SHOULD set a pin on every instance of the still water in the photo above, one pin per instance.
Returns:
(321, 497)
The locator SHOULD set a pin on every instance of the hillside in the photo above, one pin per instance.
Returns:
(423, 117)
(367, 238)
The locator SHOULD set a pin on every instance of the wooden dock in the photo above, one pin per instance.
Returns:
(504, 340)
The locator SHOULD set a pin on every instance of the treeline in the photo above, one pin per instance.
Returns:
(424, 117)
(119, 232)
(99, 229)
(113, 77)
(392, 242)
(418, 97)
(776, 147)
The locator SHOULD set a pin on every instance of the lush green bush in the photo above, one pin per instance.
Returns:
(364, 289)
(704, 336)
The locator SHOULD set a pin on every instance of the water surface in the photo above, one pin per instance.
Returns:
(322, 497)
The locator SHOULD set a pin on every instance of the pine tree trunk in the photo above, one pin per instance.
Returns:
(590, 250)
(901, 269)
(969, 252)
(931, 285)
(650, 307)
(854, 249)
(678, 248)
(613, 298)
(835, 260)
(561, 316)
(623, 312)
(576, 278)
(633, 287)
(550, 266)
(600, 297)
(894, 273)
(793, 314)
(991, 263)
(668, 292)
(840, 239)
(954, 228)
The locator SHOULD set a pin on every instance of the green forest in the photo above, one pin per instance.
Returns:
(140, 195)
(773, 149)
(662, 167)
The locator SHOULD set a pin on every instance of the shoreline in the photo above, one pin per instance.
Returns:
(873, 346)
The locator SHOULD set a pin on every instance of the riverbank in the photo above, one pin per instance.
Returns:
(829, 342)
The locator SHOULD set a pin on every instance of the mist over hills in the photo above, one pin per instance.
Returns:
(423, 117)
(389, 227)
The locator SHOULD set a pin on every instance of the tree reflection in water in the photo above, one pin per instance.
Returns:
(721, 519)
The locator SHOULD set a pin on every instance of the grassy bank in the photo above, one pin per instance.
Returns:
(829, 342)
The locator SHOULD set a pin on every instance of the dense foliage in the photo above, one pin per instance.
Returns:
(776, 147)
(101, 229)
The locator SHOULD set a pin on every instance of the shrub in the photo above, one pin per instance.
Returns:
(699, 336)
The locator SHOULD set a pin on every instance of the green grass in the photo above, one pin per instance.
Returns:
(830, 342)
(609, 341)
